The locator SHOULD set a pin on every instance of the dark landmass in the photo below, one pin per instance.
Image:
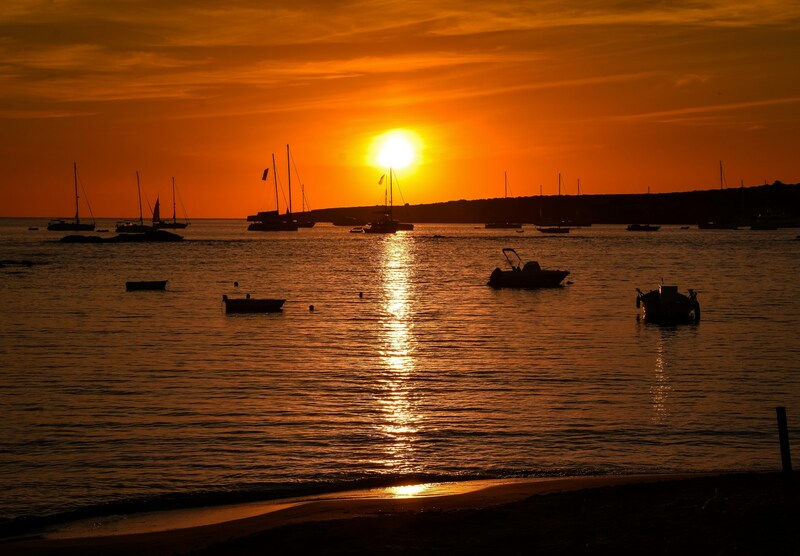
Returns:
(777, 203)
(155, 235)
(724, 514)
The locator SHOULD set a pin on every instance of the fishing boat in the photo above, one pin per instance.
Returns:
(503, 225)
(529, 276)
(666, 304)
(61, 225)
(643, 228)
(273, 221)
(133, 227)
(173, 224)
(252, 305)
(387, 224)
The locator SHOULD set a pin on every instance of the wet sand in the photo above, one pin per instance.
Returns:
(721, 514)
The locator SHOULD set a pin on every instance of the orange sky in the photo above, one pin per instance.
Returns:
(623, 95)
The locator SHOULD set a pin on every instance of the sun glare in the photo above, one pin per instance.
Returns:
(395, 148)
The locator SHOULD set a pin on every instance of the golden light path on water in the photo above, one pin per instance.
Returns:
(400, 422)
(661, 389)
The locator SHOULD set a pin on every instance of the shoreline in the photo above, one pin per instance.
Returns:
(449, 512)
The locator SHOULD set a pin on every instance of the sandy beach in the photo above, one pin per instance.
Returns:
(675, 514)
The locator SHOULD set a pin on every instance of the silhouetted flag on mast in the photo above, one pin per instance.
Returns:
(264, 175)
(380, 181)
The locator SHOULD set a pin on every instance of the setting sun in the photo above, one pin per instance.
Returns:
(396, 148)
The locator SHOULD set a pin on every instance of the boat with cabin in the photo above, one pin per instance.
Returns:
(666, 304)
(528, 276)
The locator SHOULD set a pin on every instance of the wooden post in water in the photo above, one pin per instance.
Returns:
(783, 435)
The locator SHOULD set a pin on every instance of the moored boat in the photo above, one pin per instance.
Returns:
(171, 224)
(138, 285)
(61, 225)
(643, 227)
(252, 305)
(527, 276)
(666, 304)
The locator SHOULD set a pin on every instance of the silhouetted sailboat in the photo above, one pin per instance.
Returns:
(174, 224)
(723, 223)
(62, 225)
(504, 225)
(272, 221)
(129, 227)
(387, 224)
(558, 228)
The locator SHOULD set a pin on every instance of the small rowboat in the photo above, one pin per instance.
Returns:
(146, 285)
(252, 305)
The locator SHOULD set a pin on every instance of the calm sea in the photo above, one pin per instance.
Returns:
(409, 365)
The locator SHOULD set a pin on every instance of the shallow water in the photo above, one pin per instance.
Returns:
(109, 396)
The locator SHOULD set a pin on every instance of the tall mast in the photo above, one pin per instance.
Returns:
(174, 212)
(289, 174)
(391, 200)
(505, 185)
(275, 179)
(75, 173)
(721, 179)
(579, 186)
(139, 190)
(559, 184)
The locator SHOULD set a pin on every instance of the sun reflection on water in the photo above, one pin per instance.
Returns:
(661, 389)
(400, 417)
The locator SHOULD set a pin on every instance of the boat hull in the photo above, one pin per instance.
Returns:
(662, 306)
(62, 226)
(527, 279)
(252, 305)
(145, 285)
(276, 226)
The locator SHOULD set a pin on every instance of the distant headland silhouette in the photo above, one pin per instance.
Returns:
(778, 203)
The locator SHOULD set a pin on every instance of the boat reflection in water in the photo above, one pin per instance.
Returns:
(398, 403)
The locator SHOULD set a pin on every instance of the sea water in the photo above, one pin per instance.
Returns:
(408, 366)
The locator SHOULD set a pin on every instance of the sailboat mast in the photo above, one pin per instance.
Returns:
(505, 185)
(174, 211)
(721, 179)
(559, 184)
(289, 176)
(139, 191)
(275, 179)
(391, 193)
(75, 173)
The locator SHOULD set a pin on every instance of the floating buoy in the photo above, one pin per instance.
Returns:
(236, 284)
(247, 296)
(311, 308)
(360, 294)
